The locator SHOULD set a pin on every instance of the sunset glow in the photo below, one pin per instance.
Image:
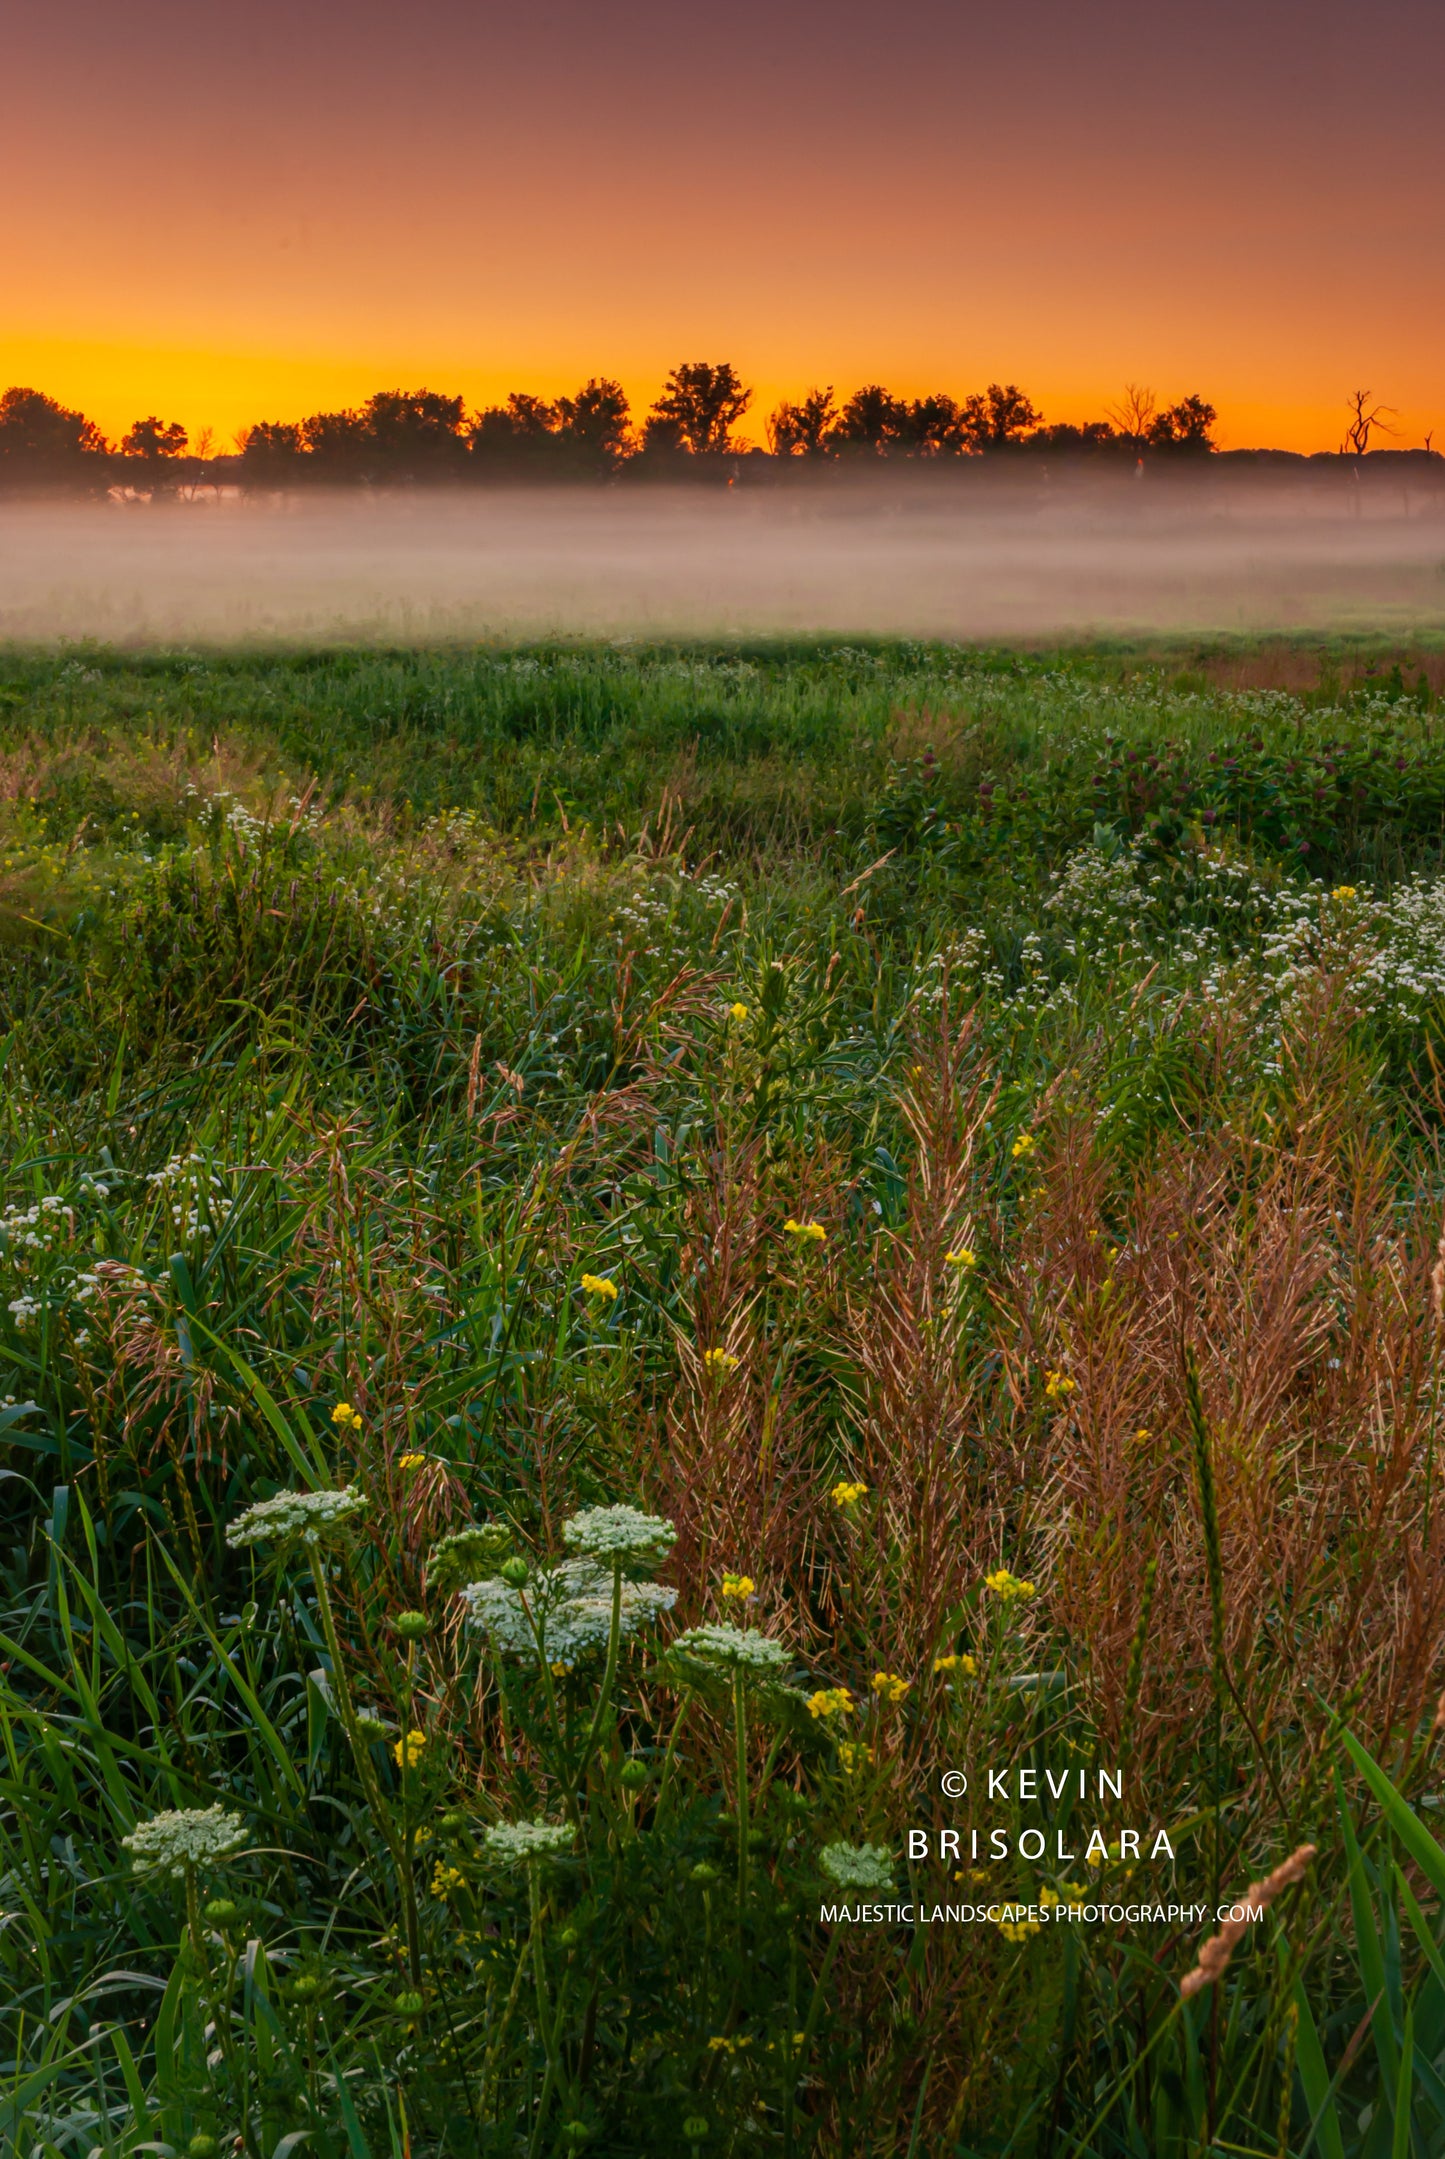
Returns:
(263, 210)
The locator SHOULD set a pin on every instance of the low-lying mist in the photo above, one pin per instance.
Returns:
(1026, 555)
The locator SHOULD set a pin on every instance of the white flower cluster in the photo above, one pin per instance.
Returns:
(185, 1183)
(570, 1607)
(23, 1310)
(524, 1844)
(619, 1536)
(307, 1515)
(733, 1648)
(35, 1229)
(857, 1866)
(184, 1837)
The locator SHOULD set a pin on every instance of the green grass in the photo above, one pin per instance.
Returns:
(358, 1009)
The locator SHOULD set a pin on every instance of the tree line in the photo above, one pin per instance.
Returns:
(692, 427)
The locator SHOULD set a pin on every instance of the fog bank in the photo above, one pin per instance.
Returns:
(1021, 557)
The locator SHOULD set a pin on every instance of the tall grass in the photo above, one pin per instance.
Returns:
(954, 1136)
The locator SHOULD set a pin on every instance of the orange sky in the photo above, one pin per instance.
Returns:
(255, 211)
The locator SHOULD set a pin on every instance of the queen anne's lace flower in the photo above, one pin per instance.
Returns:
(523, 1844)
(619, 1535)
(857, 1866)
(737, 1648)
(308, 1515)
(571, 1607)
(188, 1837)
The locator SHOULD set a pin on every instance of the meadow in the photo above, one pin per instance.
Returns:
(615, 1255)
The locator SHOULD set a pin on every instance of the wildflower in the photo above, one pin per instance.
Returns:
(957, 1661)
(523, 1844)
(411, 1461)
(723, 2043)
(857, 1866)
(619, 1535)
(1143, 1432)
(719, 1362)
(806, 1232)
(345, 1418)
(853, 1755)
(568, 1607)
(184, 1837)
(847, 1496)
(1023, 1145)
(963, 1257)
(307, 1515)
(1019, 1930)
(830, 1702)
(1343, 892)
(889, 1687)
(445, 1879)
(559, 1669)
(408, 1752)
(598, 1285)
(738, 1649)
(738, 1587)
(468, 1555)
(738, 1013)
(1008, 1586)
(23, 1310)
(1058, 1385)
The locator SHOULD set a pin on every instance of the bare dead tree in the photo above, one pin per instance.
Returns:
(1134, 414)
(1362, 418)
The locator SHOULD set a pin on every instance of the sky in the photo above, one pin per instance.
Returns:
(254, 209)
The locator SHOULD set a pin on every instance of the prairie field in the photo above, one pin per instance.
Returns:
(616, 1255)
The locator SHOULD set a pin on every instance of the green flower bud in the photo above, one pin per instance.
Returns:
(515, 1573)
(202, 2146)
(704, 1875)
(407, 2005)
(453, 1822)
(305, 1987)
(569, 1939)
(634, 1775)
(694, 2128)
(221, 1912)
(411, 1626)
(575, 2132)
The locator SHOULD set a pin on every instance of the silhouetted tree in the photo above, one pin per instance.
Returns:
(698, 409)
(872, 423)
(271, 453)
(997, 420)
(155, 440)
(804, 429)
(595, 424)
(45, 444)
(1364, 416)
(1133, 416)
(1184, 426)
(517, 438)
(932, 428)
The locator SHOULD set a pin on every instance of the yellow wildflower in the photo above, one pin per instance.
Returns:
(738, 1013)
(411, 1461)
(597, 1285)
(1008, 1586)
(408, 1752)
(847, 1495)
(830, 1702)
(720, 1361)
(1050, 1896)
(723, 2044)
(1023, 1145)
(1343, 892)
(853, 1756)
(346, 1418)
(739, 1586)
(560, 1670)
(962, 1257)
(445, 1879)
(806, 1232)
(1143, 1432)
(890, 1686)
(1019, 1930)
(1057, 1385)
(958, 1661)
